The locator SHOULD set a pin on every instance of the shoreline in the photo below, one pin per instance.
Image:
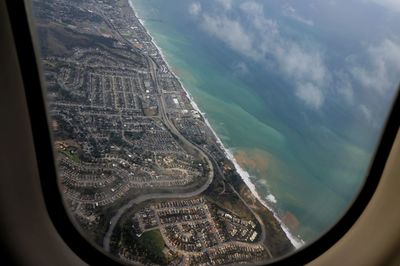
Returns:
(245, 176)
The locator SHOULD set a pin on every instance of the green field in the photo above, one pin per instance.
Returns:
(152, 244)
(74, 157)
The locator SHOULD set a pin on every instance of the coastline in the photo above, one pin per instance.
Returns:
(245, 176)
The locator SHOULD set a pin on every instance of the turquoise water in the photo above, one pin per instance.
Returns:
(313, 162)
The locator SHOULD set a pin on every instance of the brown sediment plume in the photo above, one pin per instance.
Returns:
(180, 73)
(291, 221)
(254, 160)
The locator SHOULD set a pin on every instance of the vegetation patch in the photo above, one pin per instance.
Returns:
(150, 246)
(152, 242)
(71, 154)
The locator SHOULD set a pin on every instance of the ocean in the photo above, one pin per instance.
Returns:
(308, 165)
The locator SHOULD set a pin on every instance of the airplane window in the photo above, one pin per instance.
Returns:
(218, 131)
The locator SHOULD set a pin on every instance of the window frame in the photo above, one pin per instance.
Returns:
(25, 42)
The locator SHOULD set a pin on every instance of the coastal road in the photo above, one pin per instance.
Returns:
(165, 118)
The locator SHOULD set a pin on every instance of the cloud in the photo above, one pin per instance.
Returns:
(231, 32)
(253, 8)
(226, 4)
(377, 74)
(306, 69)
(195, 8)
(299, 63)
(255, 12)
(259, 38)
(369, 116)
(310, 94)
(291, 12)
(392, 5)
(382, 72)
(366, 112)
(365, 81)
(344, 87)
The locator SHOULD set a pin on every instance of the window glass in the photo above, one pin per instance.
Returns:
(214, 131)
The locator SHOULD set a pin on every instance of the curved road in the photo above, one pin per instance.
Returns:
(114, 220)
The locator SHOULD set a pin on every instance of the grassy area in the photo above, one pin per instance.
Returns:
(72, 156)
(152, 240)
(152, 243)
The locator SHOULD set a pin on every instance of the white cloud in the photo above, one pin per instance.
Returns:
(393, 5)
(369, 116)
(226, 4)
(383, 71)
(310, 94)
(260, 39)
(366, 112)
(255, 12)
(291, 12)
(377, 72)
(301, 64)
(252, 8)
(231, 32)
(195, 8)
